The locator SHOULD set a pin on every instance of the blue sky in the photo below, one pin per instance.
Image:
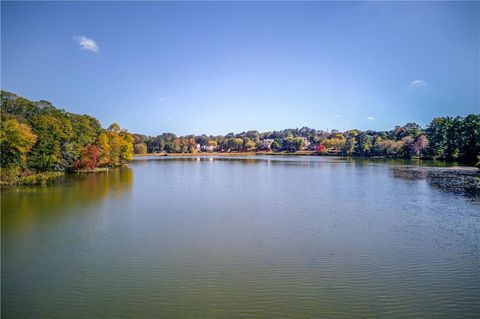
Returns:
(217, 67)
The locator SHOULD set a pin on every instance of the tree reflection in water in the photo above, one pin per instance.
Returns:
(25, 204)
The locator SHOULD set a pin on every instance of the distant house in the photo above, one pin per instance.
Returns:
(207, 148)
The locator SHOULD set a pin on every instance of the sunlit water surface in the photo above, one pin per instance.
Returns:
(263, 237)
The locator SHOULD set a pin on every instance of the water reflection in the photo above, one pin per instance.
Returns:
(300, 159)
(257, 237)
(22, 206)
(440, 175)
(306, 161)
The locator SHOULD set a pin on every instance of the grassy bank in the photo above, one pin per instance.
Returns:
(11, 178)
(95, 170)
(14, 177)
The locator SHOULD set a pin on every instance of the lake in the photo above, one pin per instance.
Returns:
(252, 237)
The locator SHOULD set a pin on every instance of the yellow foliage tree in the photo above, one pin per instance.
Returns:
(16, 140)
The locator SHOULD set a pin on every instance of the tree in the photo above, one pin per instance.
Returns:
(103, 144)
(70, 153)
(114, 128)
(410, 129)
(140, 148)
(470, 138)
(336, 143)
(277, 144)
(120, 145)
(18, 107)
(406, 146)
(420, 146)
(437, 132)
(455, 138)
(85, 128)
(140, 138)
(212, 143)
(126, 147)
(16, 141)
(389, 148)
(89, 158)
(254, 136)
(320, 149)
(38, 136)
(350, 142)
(52, 132)
(293, 144)
(248, 144)
(363, 145)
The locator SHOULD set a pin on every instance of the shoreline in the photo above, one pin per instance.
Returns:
(302, 153)
(249, 153)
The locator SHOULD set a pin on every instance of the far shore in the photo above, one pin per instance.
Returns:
(252, 153)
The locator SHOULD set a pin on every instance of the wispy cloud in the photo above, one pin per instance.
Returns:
(371, 118)
(418, 83)
(86, 43)
(161, 99)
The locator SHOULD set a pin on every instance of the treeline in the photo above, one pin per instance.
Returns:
(445, 138)
(37, 137)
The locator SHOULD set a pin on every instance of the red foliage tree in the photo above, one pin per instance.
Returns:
(320, 148)
(89, 158)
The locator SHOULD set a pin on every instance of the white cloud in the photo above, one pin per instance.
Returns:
(86, 43)
(161, 99)
(418, 83)
(370, 118)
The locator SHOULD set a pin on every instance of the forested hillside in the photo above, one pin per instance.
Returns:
(37, 137)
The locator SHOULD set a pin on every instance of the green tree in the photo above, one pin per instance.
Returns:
(52, 132)
(86, 129)
(248, 144)
(277, 144)
(293, 144)
(470, 138)
(114, 128)
(437, 132)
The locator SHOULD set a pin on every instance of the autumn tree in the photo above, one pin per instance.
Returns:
(140, 148)
(16, 141)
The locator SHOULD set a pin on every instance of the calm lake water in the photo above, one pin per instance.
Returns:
(262, 237)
